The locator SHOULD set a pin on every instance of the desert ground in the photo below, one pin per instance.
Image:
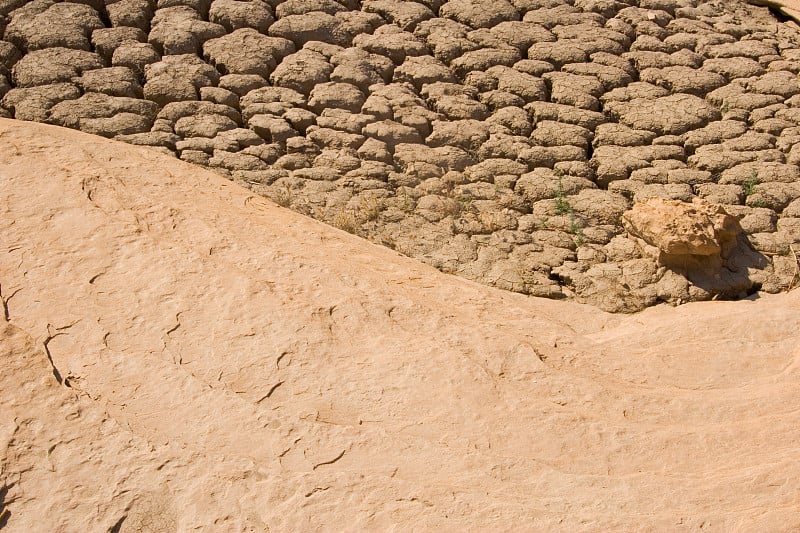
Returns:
(527, 265)
(502, 143)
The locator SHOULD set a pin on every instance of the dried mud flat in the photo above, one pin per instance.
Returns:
(179, 354)
(500, 142)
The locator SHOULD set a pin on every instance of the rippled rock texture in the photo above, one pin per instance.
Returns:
(499, 142)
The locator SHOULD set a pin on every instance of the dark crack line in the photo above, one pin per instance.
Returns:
(269, 393)
(315, 490)
(46, 343)
(117, 527)
(56, 373)
(176, 326)
(5, 301)
(329, 462)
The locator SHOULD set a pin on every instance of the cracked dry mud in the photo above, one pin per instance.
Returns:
(502, 144)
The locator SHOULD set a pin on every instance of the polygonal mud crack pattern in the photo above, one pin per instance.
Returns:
(501, 142)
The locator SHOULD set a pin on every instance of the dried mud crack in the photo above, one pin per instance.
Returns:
(503, 145)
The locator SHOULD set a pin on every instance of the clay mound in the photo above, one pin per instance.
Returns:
(502, 142)
(179, 354)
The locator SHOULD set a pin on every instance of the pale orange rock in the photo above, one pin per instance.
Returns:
(681, 228)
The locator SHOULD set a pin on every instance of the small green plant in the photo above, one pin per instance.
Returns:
(749, 185)
(562, 204)
(575, 229)
(407, 202)
(466, 202)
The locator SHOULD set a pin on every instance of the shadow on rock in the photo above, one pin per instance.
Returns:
(698, 241)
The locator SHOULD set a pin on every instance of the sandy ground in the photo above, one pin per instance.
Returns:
(180, 354)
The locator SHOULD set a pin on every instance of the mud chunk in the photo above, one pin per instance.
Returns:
(203, 125)
(683, 80)
(246, 51)
(521, 35)
(750, 48)
(514, 119)
(237, 161)
(361, 68)
(177, 78)
(392, 42)
(107, 40)
(782, 83)
(527, 87)
(302, 71)
(105, 115)
(475, 14)
(734, 67)
(235, 14)
(53, 65)
(242, 84)
(272, 129)
(561, 15)
(67, 25)
(218, 95)
(113, 81)
(669, 115)
(336, 95)
(301, 7)
(133, 13)
(407, 15)
(550, 133)
(615, 134)
(135, 56)
(446, 38)
(558, 53)
(565, 113)
(610, 76)
(180, 30)
(313, 26)
(485, 58)
(392, 133)
(423, 70)
(34, 103)
(466, 134)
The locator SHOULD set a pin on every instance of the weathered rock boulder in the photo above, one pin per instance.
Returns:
(680, 228)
